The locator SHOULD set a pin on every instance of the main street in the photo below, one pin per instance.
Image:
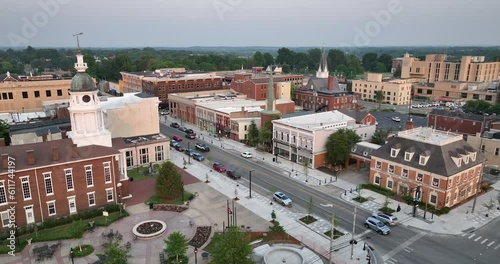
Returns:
(403, 245)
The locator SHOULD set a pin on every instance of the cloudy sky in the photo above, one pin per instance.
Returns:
(184, 23)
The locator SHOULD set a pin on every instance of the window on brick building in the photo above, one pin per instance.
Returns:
(25, 184)
(433, 199)
(47, 177)
(377, 180)
(69, 179)
(88, 175)
(144, 156)
(91, 197)
(5, 218)
(51, 207)
(3, 197)
(129, 157)
(107, 172)
(159, 153)
(109, 194)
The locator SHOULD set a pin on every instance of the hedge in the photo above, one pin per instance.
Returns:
(378, 189)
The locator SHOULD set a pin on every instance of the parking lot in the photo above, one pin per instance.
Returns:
(384, 120)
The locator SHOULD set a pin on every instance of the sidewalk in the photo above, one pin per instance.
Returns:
(459, 220)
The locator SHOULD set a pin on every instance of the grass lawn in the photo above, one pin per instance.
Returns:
(69, 231)
(138, 173)
(308, 219)
(157, 200)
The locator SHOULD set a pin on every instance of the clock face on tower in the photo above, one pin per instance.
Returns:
(86, 98)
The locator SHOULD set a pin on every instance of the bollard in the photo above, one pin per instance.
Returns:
(351, 190)
(325, 181)
(319, 182)
(331, 179)
(345, 192)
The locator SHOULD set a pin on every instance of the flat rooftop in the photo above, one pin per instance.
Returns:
(319, 121)
(235, 104)
(430, 136)
(180, 76)
(120, 101)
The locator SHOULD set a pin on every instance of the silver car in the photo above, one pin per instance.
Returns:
(387, 219)
(377, 226)
(282, 199)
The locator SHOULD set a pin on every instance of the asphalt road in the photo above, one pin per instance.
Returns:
(266, 177)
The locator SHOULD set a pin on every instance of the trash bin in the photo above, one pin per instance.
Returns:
(150, 206)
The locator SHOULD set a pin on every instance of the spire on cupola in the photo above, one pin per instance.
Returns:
(323, 66)
(80, 66)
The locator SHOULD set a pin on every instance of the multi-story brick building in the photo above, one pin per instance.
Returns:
(396, 92)
(132, 81)
(28, 95)
(436, 68)
(459, 122)
(489, 144)
(446, 168)
(254, 85)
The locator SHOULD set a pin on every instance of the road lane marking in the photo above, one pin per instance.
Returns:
(491, 243)
(471, 236)
(484, 241)
(402, 246)
(464, 234)
(497, 247)
(479, 237)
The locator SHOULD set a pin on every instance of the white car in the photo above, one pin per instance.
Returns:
(396, 119)
(246, 154)
(282, 199)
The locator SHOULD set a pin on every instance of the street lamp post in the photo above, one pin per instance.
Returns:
(72, 256)
(119, 185)
(189, 155)
(250, 189)
(195, 255)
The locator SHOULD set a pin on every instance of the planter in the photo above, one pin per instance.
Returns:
(149, 229)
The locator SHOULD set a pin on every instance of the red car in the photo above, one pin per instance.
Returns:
(176, 138)
(219, 167)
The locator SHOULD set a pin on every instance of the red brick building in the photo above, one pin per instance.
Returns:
(70, 180)
(445, 167)
(255, 85)
(459, 122)
(325, 101)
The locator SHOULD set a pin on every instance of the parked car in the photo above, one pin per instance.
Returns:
(177, 138)
(377, 226)
(246, 154)
(173, 143)
(179, 148)
(189, 131)
(191, 136)
(189, 152)
(202, 147)
(232, 174)
(183, 129)
(385, 218)
(397, 119)
(282, 199)
(219, 167)
(174, 125)
(197, 156)
(164, 112)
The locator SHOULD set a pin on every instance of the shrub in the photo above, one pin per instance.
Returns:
(386, 210)
(378, 189)
(86, 250)
(360, 199)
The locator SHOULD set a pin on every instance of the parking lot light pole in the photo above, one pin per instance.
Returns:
(195, 255)
(250, 189)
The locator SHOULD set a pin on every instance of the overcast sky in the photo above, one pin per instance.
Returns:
(184, 23)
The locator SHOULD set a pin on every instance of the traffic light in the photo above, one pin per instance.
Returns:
(353, 242)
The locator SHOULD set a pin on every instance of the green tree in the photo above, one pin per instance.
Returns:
(277, 228)
(169, 181)
(397, 73)
(386, 59)
(273, 216)
(368, 59)
(339, 145)
(286, 68)
(495, 109)
(253, 134)
(285, 56)
(115, 254)
(266, 132)
(176, 246)
(231, 247)
(379, 97)
(336, 58)
(258, 59)
(378, 67)
(355, 64)
(269, 60)
(380, 136)
(293, 90)
(314, 57)
(4, 132)
(476, 106)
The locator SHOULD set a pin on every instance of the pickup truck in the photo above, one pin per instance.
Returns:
(202, 147)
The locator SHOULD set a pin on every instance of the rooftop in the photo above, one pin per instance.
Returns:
(234, 104)
(121, 142)
(119, 102)
(430, 136)
(188, 76)
(318, 121)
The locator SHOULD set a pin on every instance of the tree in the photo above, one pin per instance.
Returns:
(379, 97)
(476, 106)
(314, 57)
(4, 132)
(176, 246)
(380, 136)
(310, 206)
(253, 134)
(378, 67)
(339, 145)
(169, 181)
(266, 134)
(386, 59)
(115, 254)
(277, 228)
(336, 58)
(284, 56)
(258, 59)
(293, 90)
(231, 247)
(286, 68)
(269, 60)
(495, 109)
(368, 59)
(273, 216)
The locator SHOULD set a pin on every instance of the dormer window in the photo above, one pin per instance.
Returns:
(423, 160)
(473, 156)
(365, 153)
(466, 159)
(394, 152)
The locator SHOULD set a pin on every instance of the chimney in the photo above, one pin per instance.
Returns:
(55, 154)
(30, 156)
(5, 161)
(409, 124)
(74, 152)
(330, 82)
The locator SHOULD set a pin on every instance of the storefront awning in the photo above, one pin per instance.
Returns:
(446, 99)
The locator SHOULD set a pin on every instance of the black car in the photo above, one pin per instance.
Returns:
(190, 136)
(183, 129)
(189, 152)
(189, 131)
(174, 125)
(202, 147)
(233, 174)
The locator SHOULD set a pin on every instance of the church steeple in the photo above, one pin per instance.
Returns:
(80, 66)
(271, 102)
(323, 66)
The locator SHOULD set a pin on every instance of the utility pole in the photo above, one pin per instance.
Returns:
(331, 238)
(353, 229)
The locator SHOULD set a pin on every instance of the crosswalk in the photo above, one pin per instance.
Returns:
(489, 243)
